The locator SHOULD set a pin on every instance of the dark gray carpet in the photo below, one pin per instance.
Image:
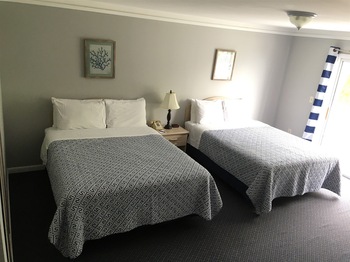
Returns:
(313, 227)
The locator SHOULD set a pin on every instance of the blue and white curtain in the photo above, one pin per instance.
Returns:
(320, 94)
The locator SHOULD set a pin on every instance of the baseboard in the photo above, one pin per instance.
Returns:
(23, 169)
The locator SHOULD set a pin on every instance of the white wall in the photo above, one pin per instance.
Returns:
(42, 56)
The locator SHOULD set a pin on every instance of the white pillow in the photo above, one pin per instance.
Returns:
(78, 114)
(209, 112)
(233, 110)
(124, 113)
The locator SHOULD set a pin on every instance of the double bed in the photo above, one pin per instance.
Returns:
(260, 161)
(114, 174)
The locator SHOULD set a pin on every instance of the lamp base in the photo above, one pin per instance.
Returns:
(168, 117)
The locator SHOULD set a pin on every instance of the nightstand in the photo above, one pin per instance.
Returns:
(177, 136)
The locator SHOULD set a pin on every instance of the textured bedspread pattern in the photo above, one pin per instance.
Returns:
(272, 163)
(111, 185)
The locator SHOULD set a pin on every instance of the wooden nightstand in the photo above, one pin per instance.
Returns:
(177, 136)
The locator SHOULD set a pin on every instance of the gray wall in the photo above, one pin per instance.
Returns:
(41, 55)
(303, 73)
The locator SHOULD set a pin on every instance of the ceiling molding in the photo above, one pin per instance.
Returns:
(113, 9)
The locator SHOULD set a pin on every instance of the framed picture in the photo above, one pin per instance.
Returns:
(223, 64)
(99, 58)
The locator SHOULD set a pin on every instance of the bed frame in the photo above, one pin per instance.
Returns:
(217, 171)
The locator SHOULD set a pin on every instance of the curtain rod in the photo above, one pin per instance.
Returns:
(343, 51)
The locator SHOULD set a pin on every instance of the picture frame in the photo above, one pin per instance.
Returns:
(99, 58)
(223, 64)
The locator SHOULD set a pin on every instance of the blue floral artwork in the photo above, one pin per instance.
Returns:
(99, 58)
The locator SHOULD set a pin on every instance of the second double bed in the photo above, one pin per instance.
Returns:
(267, 162)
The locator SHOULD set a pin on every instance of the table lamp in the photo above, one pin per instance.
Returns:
(169, 103)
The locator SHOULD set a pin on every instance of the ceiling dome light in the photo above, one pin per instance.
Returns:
(300, 18)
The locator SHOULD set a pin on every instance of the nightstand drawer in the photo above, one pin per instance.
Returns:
(177, 140)
(177, 136)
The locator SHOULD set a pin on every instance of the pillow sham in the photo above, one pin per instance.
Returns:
(233, 109)
(208, 112)
(78, 114)
(193, 116)
(124, 113)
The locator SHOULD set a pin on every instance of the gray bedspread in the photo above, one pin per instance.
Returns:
(111, 185)
(272, 163)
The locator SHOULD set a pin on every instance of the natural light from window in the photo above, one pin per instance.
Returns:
(338, 124)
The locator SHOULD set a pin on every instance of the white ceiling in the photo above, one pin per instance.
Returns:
(332, 21)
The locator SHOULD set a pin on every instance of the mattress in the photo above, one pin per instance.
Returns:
(196, 130)
(104, 185)
(53, 134)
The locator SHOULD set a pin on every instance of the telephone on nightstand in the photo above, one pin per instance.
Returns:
(156, 124)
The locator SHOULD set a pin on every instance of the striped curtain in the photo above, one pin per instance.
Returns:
(320, 93)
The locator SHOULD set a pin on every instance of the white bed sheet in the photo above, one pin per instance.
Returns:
(196, 130)
(53, 134)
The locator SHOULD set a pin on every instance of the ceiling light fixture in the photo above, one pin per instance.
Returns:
(300, 18)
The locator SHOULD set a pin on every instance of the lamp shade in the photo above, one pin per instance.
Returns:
(300, 18)
(170, 101)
